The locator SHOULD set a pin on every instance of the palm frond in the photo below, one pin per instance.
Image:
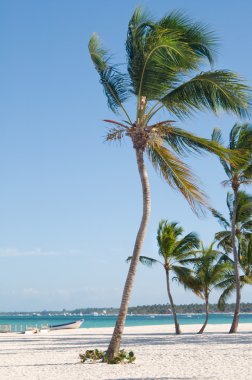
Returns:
(247, 172)
(182, 274)
(186, 245)
(225, 295)
(117, 123)
(212, 90)
(116, 85)
(234, 136)
(226, 259)
(244, 207)
(201, 40)
(157, 55)
(240, 136)
(129, 258)
(224, 240)
(227, 168)
(148, 261)
(249, 251)
(217, 136)
(178, 175)
(115, 134)
(139, 25)
(165, 53)
(219, 271)
(244, 180)
(221, 219)
(246, 280)
(188, 280)
(184, 142)
(189, 260)
(247, 226)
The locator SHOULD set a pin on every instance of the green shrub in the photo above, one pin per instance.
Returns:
(93, 356)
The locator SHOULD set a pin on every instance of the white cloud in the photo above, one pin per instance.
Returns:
(14, 252)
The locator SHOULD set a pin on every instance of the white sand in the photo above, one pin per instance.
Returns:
(160, 354)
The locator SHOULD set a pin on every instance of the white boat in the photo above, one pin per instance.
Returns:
(69, 325)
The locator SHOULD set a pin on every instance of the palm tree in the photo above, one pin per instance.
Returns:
(164, 71)
(240, 138)
(208, 272)
(245, 260)
(172, 249)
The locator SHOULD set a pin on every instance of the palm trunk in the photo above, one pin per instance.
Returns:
(177, 327)
(235, 322)
(207, 315)
(115, 342)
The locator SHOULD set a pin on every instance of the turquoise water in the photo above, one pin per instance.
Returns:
(19, 323)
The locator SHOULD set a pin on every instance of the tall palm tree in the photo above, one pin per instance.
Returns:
(172, 249)
(240, 138)
(228, 284)
(164, 71)
(208, 272)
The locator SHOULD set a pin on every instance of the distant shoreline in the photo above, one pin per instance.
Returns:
(158, 309)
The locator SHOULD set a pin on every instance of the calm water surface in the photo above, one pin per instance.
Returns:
(19, 323)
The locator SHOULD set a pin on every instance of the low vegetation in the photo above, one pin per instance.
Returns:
(94, 356)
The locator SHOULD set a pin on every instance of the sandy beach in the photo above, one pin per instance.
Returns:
(160, 354)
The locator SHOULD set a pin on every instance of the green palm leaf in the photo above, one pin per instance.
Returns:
(166, 52)
(148, 261)
(116, 85)
(199, 38)
(224, 240)
(182, 274)
(212, 90)
(225, 295)
(221, 219)
(185, 142)
(186, 245)
(217, 136)
(240, 136)
(177, 174)
(154, 55)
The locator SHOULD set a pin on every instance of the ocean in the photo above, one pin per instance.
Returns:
(19, 323)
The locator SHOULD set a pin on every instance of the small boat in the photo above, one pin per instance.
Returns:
(69, 325)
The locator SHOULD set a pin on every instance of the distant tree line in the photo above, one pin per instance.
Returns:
(246, 307)
(165, 309)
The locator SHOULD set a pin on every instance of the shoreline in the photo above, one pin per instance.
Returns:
(221, 328)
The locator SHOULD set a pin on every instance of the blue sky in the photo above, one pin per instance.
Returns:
(70, 204)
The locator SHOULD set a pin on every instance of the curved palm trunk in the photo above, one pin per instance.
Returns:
(115, 342)
(207, 315)
(177, 327)
(235, 322)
